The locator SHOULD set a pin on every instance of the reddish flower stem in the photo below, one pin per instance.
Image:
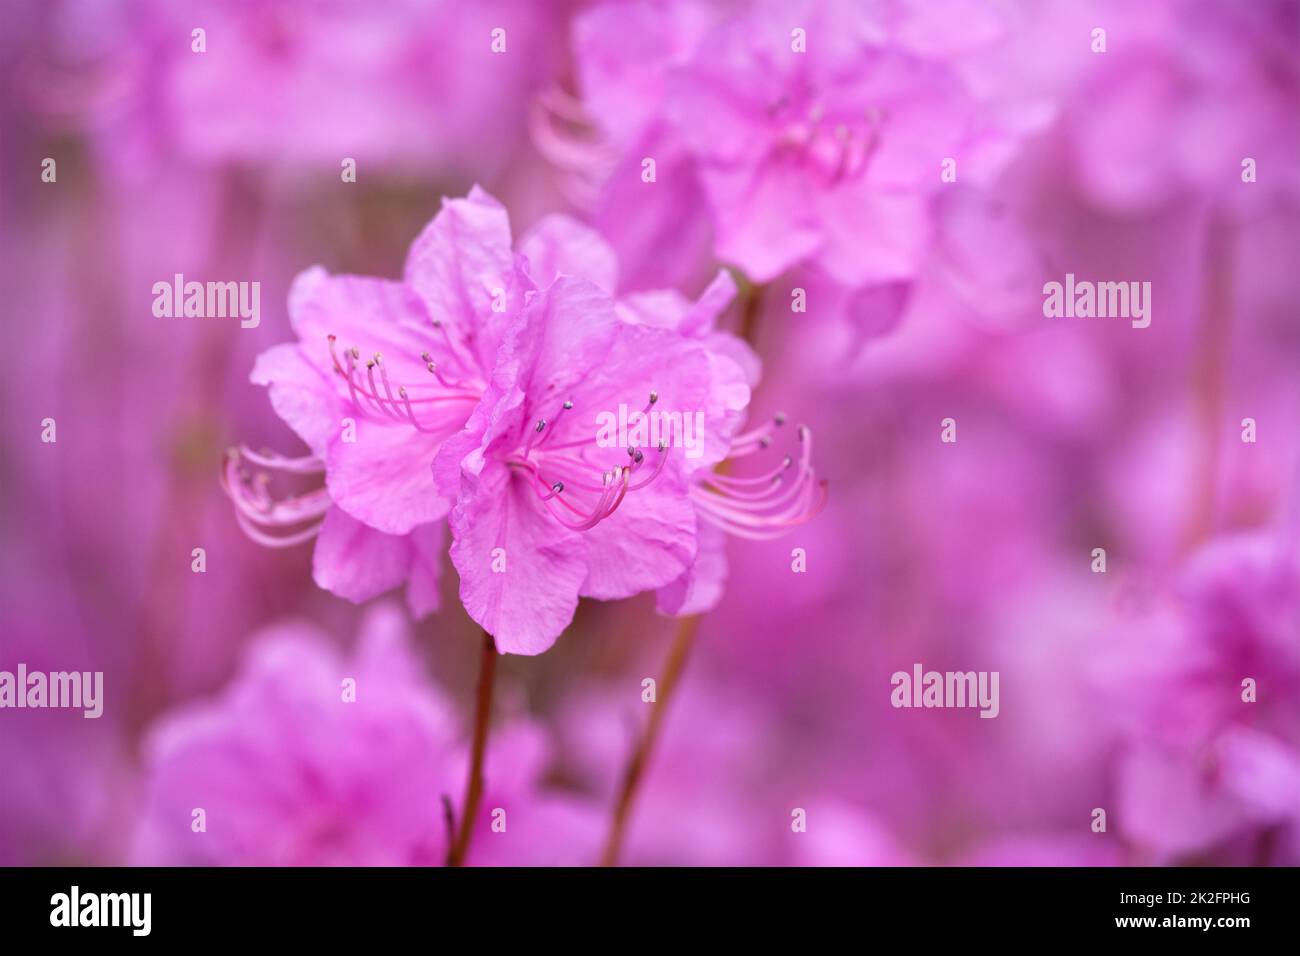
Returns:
(1208, 375)
(474, 781)
(683, 641)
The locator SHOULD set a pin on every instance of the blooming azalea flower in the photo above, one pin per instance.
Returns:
(813, 133)
(1206, 755)
(399, 87)
(528, 357)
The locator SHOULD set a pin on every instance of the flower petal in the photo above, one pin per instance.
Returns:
(527, 605)
(355, 561)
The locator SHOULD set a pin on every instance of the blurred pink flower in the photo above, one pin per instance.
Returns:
(399, 87)
(1187, 91)
(288, 771)
(814, 133)
(1201, 763)
(826, 155)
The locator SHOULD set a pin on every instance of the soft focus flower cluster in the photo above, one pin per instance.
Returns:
(743, 210)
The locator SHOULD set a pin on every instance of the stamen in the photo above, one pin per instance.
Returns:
(264, 519)
(832, 145)
(757, 439)
(544, 463)
(568, 404)
(378, 398)
(663, 459)
(763, 506)
(305, 465)
(385, 403)
(611, 497)
(449, 383)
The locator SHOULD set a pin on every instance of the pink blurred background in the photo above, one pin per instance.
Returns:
(1119, 690)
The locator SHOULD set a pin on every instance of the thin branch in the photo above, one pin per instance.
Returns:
(474, 782)
(683, 641)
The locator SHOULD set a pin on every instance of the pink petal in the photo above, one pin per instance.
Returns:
(357, 562)
(428, 544)
(647, 543)
(301, 394)
(526, 606)
(560, 245)
(461, 262)
(699, 588)
(384, 478)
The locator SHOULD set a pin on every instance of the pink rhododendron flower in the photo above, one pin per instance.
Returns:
(486, 379)
(1201, 762)
(826, 155)
(813, 132)
(544, 514)
(1194, 91)
(293, 765)
(398, 87)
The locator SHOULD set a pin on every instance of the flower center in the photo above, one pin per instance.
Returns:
(832, 147)
(577, 492)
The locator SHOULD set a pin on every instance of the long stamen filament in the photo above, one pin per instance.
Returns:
(378, 396)
(766, 505)
(264, 519)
